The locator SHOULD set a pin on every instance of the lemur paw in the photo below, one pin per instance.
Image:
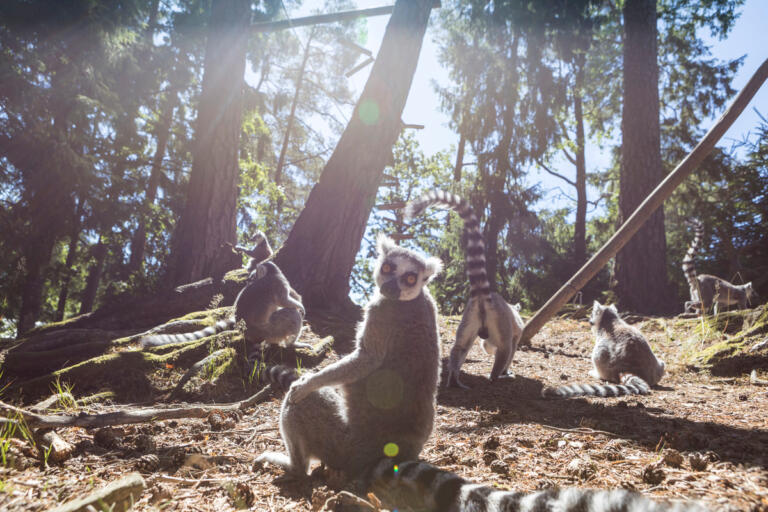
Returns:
(298, 391)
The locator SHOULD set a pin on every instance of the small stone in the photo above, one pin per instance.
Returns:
(653, 474)
(743, 397)
(563, 376)
(672, 458)
(499, 467)
(698, 462)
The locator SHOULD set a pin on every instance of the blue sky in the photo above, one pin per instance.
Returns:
(748, 37)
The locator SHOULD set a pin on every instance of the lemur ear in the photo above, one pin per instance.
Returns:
(596, 306)
(613, 308)
(433, 267)
(384, 244)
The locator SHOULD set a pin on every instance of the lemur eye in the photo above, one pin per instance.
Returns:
(386, 268)
(410, 279)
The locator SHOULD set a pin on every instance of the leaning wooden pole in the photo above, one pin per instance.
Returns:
(647, 207)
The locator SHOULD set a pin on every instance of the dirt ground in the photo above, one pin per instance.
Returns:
(695, 437)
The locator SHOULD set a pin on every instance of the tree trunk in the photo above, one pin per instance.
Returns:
(641, 270)
(459, 156)
(291, 117)
(66, 277)
(93, 279)
(209, 216)
(580, 230)
(319, 253)
(139, 240)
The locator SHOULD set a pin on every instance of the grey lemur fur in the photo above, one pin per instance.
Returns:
(708, 290)
(380, 399)
(447, 492)
(269, 307)
(621, 355)
(260, 252)
(487, 314)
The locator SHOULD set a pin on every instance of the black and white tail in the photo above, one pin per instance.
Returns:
(630, 385)
(156, 340)
(478, 278)
(689, 267)
(447, 492)
(281, 377)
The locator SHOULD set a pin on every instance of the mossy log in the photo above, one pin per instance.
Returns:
(742, 331)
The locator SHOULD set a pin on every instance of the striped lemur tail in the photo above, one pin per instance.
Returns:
(689, 267)
(448, 492)
(280, 377)
(630, 385)
(478, 277)
(156, 340)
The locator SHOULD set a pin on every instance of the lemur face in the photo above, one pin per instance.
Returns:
(401, 273)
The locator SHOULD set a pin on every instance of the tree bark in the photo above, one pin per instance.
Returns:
(139, 240)
(94, 278)
(641, 266)
(580, 226)
(291, 117)
(209, 216)
(318, 256)
(66, 278)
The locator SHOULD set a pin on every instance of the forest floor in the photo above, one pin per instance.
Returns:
(694, 437)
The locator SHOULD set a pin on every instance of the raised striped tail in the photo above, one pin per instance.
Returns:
(281, 377)
(447, 492)
(630, 385)
(689, 267)
(157, 340)
(478, 277)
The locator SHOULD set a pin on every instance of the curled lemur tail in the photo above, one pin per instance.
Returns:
(689, 267)
(478, 278)
(156, 340)
(630, 385)
(281, 377)
(445, 491)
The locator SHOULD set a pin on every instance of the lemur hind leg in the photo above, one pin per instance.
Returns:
(284, 328)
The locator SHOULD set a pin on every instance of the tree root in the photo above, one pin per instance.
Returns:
(128, 415)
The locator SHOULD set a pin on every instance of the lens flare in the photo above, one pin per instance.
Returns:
(368, 112)
(391, 449)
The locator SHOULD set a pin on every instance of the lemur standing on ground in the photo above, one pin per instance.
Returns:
(621, 355)
(487, 314)
(380, 399)
(706, 289)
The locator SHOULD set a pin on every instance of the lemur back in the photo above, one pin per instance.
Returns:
(487, 314)
(707, 290)
(380, 399)
(621, 355)
(447, 492)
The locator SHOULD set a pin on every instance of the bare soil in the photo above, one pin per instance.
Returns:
(695, 437)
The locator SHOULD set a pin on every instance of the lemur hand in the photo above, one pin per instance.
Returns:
(299, 390)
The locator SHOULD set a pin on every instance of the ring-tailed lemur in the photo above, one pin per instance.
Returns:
(447, 492)
(260, 252)
(271, 309)
(487, 314)
(706, 289)
(621, 354)
(380, 399)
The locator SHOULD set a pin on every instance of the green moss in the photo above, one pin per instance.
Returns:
(732, 355)
(239, 276)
